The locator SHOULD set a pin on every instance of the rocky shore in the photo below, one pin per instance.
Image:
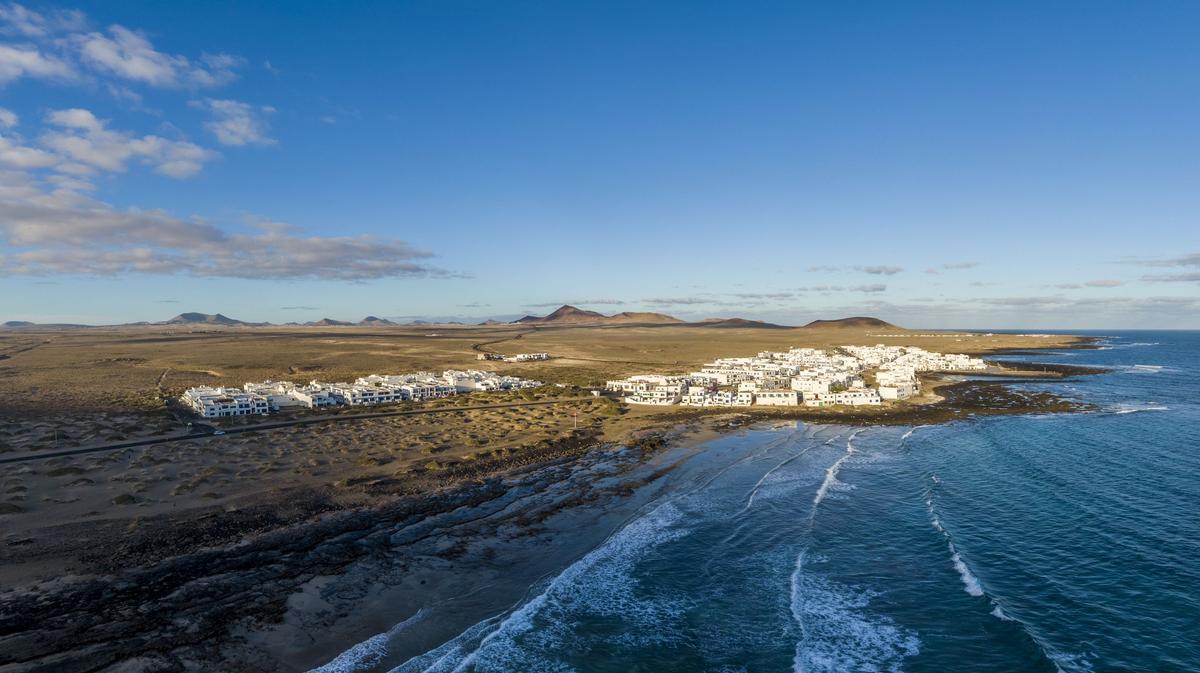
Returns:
(195, 606)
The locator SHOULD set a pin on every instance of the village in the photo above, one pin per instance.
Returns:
(271, 396)
(798, 377)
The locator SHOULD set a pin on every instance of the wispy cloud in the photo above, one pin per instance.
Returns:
(1172, 278)
(16, 19)
(876, 287)
(677, 301)
(1188, 260)
(66, 233)
(577, 302)
(237, 123)
(765, 295)
(129, 54)
(60, 45)
(881, 270)
(952, 266)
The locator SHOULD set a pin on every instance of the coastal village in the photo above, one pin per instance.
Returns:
(271, 396)
(845, 376)
(798, 377)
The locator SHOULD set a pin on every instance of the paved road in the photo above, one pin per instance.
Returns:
(41, 455)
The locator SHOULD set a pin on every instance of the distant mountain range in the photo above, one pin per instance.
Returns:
(565, 315)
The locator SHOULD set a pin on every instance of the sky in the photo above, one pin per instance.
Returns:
(934, 164)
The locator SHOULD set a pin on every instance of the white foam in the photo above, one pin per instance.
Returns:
(763, 480)
(970, 581)
(908, 434)
(999, 613)
(369, 652)
(1134, 410)
(832, 471)
(599, 584)
(836, 631)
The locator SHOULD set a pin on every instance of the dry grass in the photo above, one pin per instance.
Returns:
(347, 457)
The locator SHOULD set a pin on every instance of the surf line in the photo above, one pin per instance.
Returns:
(973, 586)
(759, 483)
(971, 583)
(905, 436)
(461, 651)
(831, 473)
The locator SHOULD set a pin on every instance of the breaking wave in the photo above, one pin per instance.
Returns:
(1131, 409)
(837, 634)
(970, 582)
(600, 585)
(832, 471)
(369, 652)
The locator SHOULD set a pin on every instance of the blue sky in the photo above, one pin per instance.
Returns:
(934, 164)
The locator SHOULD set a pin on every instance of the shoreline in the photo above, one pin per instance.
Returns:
(244, 582)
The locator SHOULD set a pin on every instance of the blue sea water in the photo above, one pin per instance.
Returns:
(1025, 543)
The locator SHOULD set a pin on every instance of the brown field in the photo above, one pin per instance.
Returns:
(123, 369)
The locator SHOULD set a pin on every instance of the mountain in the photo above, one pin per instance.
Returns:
(328, 322)
(857, 322)
(570, 315)
(26, 325)
(565, 314)
(738, 323)
(493, 321)
(203, 319)
(375, 322)
(644, 317)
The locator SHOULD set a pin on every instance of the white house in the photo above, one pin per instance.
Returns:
(777, 398)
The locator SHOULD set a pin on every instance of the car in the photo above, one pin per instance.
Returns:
(218, 432)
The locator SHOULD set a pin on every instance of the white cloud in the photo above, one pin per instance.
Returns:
(17, 61)
(130, 55)
(65, 232)
(876, 287)
(88, 141)
(15, 155)
(8, 118)
(237, 123)
(19, 20)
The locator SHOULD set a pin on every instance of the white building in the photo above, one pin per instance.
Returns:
(268, 396)
(224, 402)
(777, 398)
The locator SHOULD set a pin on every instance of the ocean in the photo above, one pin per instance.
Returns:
(1024, 543)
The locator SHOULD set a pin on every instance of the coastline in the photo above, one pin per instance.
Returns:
(245, 587)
